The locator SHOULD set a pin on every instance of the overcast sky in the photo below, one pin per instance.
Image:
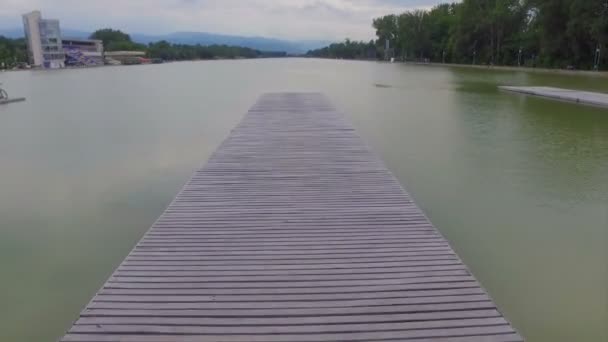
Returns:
(290, 19)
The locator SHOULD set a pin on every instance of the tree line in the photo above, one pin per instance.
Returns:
(13, 52)
(544, 33)
(115, 40)
(348, 50)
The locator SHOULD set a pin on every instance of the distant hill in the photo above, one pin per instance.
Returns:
(11, 33)
(259, 43)
(203, 38)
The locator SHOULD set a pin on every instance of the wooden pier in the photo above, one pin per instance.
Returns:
(568, 95)
(293, 231)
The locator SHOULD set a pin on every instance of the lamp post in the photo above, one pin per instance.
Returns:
(596, 64)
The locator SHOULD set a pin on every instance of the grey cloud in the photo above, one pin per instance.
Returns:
(291, 19)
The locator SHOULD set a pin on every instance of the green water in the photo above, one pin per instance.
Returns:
(518, 185)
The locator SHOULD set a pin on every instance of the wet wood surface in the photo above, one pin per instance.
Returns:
(293, 231)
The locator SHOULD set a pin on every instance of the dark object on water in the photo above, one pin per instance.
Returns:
(16, 99)
(4, 99)
(3, 94)
(379, 85)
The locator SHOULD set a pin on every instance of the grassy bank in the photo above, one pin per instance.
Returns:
(514, 68)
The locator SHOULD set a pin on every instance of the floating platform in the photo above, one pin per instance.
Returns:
(12, 100)
(293, 231)
(577, 96)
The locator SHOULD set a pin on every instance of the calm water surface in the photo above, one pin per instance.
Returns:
(518, 185)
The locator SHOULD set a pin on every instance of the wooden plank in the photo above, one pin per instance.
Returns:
(127, 295)
(289, 277)
(139, 302)
(485, 334)
(289, 312)
(136, 270)
(288, 329)
(277, 321)
(188, 288)
(293, 231)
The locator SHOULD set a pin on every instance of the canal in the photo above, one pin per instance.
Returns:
(518, 185)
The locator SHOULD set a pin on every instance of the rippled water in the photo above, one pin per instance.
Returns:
(519, 185)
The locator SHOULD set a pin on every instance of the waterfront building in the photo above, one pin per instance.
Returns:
(43, 37)
(82, 52)
(47, 49)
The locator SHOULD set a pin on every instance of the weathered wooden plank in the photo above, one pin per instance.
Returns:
(365, 253)
(180, 255)
(291, 277)
(186, 233)
(254, 247)
(199, 302)
(286, 258)
(294, 312)
(481, 333)
(421, 261)
(126, 295)
(289, 329)
(193, 240)
(244, 282)
(239, 272)
(276, 321)
(194, 289)
(292, 231)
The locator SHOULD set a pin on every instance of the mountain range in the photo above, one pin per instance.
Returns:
(203, 38)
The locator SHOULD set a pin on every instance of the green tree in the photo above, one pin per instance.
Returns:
(116, 40)
(387, 29)
(109, 35)
(173, 52)
(12, 52)
(347, 50)
(550, 33)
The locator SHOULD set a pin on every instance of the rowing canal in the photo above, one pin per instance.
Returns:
(519, 185)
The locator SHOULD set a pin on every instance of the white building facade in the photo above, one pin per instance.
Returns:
(43, 38)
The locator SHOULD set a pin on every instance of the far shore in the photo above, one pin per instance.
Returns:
(139, 64)
(432, 64)
(600, 73)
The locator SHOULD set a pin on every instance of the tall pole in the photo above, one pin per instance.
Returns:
(475, 52)
(519, 58)
(596, 64)
(387, 46)
(599, 43)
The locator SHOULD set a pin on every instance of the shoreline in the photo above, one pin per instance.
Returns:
(601, 73)
(515, 68)
(128, 65)
(589, 73)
